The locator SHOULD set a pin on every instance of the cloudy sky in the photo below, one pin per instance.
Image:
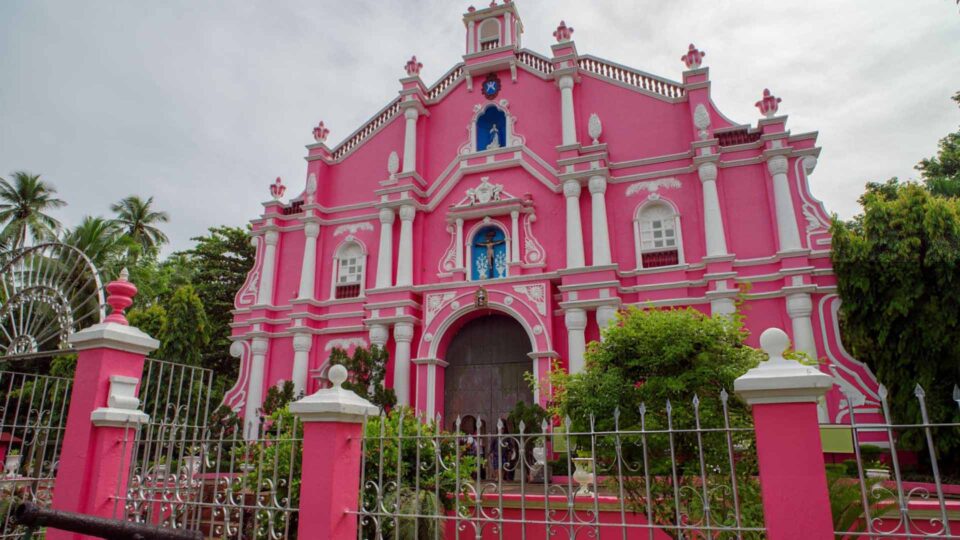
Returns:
(201, 104)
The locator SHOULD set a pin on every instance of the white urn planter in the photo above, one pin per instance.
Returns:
(12, 465)
(879, 474)
(583, 476)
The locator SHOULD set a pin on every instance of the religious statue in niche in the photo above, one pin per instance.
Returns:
(489, 254)
(494, 138)
(485, 192)
(491, 129)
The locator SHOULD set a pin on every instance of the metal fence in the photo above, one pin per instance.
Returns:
(685, 472)
(187, 474)
(33, 413)
(889, 502)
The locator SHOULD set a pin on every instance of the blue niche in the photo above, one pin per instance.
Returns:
(491, 129)
(489, 248)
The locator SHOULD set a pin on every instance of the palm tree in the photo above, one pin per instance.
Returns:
(138, 220)
(99, 239)
(24, 204)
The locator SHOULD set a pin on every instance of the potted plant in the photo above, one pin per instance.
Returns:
(872, 466)
(583, 474)
(12, 464)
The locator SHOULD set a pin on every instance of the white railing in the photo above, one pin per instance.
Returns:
(358, 136)
(451, 77)
(631, 77)
(535, 61)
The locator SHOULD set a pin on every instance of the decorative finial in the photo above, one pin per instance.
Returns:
(774, 342)
(693, 57)
(471, 9)
(413, 67)
(493, 3)
(337, 375)
(393, 164)
(311, 188)
(564, 33)
(595, 128)
(320, 132)
(120, 297)
(769, 104)
(277, 189)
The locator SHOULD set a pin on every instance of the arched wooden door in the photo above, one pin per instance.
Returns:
(485, 377)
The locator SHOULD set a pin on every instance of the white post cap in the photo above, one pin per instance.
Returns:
(111, 335)
(334, 404)
(779, 380)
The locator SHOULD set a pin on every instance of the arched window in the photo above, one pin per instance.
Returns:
(491, 129)
(489, 34)
(657, 236)
(350, 262)
(488, 253)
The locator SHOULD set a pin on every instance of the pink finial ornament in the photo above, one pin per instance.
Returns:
(277, 189)
(120, 297)
(769, 104)
(413, 67)
(564, 33)
(471, 9)
(320, 132)
(694, 57)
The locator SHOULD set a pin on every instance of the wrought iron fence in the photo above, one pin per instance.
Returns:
(33, 413)
(187, 474)
(684, 473)
(889, 502)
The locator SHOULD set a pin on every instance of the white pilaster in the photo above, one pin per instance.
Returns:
(723, 306)
(385, 252)
(507, 27)
(379, 335)
(598, 214)
(786, 215)
(566, 110)
(265, 292)
(471, 40)
(308, 269)
(403, 335)
(576, 321)
(302, 342)
(410, 140)
(459, 243)
(800, 308)
(575, 259)
(712, 218)
(405, 256)
(251, 413)
(514, 236)
(606, 316)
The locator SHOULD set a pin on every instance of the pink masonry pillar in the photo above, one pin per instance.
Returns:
(330, 478)
(784, 394)
(104, 410)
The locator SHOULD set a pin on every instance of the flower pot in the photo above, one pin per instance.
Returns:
(583, 476)
(12, 464)
(880, 474)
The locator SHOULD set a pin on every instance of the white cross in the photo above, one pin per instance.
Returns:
(491, 86)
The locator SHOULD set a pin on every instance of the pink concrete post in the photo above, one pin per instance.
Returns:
(94, 460)
(784, 395)
(330, 478)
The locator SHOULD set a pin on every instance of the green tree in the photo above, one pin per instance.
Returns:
(185, 331)
(24, 206)
(139, 221)
(100, 240)
(898, 273)
(151, 319)
(368, 368)
(941, 173)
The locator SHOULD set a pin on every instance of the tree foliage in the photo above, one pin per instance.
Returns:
(898, 273)
(367, 368)
(941, 173)
(25, 203)
(139, 221)
(185, 330)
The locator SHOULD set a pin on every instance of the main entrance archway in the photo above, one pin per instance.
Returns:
(487, 359)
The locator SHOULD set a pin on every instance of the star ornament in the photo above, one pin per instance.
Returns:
(491, 86)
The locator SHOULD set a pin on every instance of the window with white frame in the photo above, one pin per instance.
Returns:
(489, 34)
(657, 228)
(350, 267)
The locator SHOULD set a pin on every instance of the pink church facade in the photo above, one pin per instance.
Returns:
(494, 222)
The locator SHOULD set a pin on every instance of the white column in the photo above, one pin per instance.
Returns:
(571, 190)
(514, 236)
(576, 321)
(265, 293)
(800, 308)
(405, 255)
(598, 214)
(786, 216)
(301, 353)
(251, 412)
(459, 243)
(378, 335)
(566, 110)
(308, 269)
(403, 335)
(723, 306)
(507, 25)
(606, 316)
(712, 218)
(385, 251)
(471, 32)
(410, 140)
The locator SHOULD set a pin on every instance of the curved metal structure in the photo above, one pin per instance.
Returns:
(47, 292)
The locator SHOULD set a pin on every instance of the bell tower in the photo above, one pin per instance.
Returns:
(493, 28)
